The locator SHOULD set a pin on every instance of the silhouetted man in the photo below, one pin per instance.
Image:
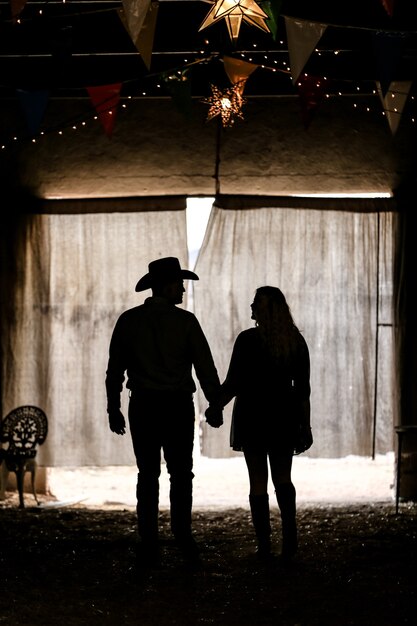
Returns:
(156, 344)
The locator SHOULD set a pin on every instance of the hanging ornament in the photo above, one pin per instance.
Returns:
(227, 104)
(234, 11)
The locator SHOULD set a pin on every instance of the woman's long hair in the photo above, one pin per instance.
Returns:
(276, 325)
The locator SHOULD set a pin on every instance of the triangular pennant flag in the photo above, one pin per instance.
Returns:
(273, 10)
(143, 39)
(16, 7)
(302, 38)
(394, 101)
(311, 90)
(389, 6)
(179, 86)
(238, 71)
(388, 49)
(135, 12)
(33, 104)
(144, 43)
(105, 99)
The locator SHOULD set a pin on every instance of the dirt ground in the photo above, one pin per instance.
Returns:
(75, 564)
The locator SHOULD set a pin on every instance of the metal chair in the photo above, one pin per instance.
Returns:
(23, 429)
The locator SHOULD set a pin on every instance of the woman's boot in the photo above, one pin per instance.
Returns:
(286, 501)
(259, 506)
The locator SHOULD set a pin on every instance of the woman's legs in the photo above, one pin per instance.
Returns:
(257, 464)
(281, 464)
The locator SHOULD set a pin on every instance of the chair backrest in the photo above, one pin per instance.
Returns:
(24, 429)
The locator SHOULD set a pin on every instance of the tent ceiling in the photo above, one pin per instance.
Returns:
(73, 45)
(154, 150)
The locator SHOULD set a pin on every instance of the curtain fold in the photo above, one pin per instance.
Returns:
(335, 269)
(66, 279)
(405, 312)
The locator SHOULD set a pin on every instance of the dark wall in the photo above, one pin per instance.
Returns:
(155, 150)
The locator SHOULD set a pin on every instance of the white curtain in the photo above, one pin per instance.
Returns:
(335, 269)
(72, 276)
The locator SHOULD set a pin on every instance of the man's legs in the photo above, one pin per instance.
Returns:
(178, 445)
(147, 448)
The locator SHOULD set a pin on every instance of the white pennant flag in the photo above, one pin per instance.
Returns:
(302, 38)
(135, 12)
(394, 101)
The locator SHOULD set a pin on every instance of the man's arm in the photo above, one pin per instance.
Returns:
(115, 376)
(204, 366)
(207, 375)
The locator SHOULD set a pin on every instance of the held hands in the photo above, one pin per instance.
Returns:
(117, 422)
(214, 416)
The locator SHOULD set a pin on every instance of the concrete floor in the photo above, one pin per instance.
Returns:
(222, 483)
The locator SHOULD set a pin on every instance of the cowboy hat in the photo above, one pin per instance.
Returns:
(162, 271)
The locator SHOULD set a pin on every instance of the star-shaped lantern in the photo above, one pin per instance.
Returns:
(234, 11)
(227, 103)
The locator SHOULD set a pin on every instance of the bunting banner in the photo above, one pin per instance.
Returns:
(311, 91)
(144, 38)
(273, 10)
(388, 48)
(389, 6)
(394, 101)
(16, 7)
(105, 99)
(179, 86)
(238, 71)
(135, 12)
(33, 105)
(302, 38)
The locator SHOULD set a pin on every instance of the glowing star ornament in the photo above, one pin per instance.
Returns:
(234, 12)
(227, 104)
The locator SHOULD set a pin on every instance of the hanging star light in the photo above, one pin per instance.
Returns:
(227, 104)
(234, 12)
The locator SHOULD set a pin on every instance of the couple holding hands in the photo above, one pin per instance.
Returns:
(154, 346)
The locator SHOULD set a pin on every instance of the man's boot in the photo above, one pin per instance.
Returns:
(259, 506)
(147, 510)
(286, 501)
(181, 502)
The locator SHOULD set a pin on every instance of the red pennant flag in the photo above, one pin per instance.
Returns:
(16, 7)
(311, 90)
(105, 99)
(389, 6)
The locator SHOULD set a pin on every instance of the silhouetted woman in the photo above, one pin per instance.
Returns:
(269, 377)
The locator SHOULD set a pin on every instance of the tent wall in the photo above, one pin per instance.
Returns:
(155, 155)
(65, 279)
(335, 268)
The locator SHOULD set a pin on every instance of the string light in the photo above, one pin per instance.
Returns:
(229, 107)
